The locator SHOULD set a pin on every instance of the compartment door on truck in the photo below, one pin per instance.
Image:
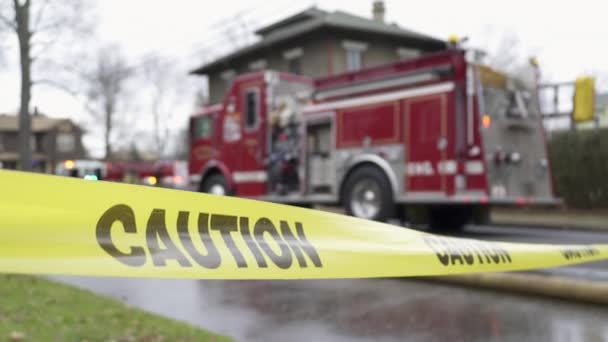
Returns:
(250, 175)
(426, 144)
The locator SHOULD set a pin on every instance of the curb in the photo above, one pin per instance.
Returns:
(594, 292)
(549, 226)
(563, 220)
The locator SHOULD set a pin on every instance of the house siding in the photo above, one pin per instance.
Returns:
(314, 61)
(323, 54)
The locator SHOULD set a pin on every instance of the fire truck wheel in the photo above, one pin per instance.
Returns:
(215, 185)
(368, 195)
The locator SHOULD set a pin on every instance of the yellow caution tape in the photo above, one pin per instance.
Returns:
(61, 225)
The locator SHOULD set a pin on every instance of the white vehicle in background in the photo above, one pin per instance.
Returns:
(86, 169)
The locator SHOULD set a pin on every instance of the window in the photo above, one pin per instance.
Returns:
(258, 65)
(353, 60)
(251, 108)
(294, 66)
(36, 142)
(9, 165)
(354, 54)
(203, 128)
(294, 60)
(66, 142)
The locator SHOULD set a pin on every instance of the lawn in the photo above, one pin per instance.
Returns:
(36, 309)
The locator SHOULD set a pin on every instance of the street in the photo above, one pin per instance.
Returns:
(591, 271)
(369, 309)
(356, 310)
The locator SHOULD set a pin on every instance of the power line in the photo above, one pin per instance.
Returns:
(238, 27)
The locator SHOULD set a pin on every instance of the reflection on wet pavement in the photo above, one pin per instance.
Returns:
(356, 310)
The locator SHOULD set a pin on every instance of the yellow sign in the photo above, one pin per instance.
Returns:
(584, 99)
(58, 225)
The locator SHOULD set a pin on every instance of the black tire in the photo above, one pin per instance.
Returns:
(481, 215)
(366, 175)
(212, 182)
(450, 218)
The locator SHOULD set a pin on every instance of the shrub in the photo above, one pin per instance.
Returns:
(579, 161)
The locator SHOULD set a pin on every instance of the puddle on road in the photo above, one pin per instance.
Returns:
(355, 310)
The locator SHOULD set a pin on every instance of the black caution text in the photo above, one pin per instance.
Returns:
(283, 244)
(465, 252)
(580, 253)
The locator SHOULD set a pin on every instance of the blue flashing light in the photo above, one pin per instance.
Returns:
(90, 177)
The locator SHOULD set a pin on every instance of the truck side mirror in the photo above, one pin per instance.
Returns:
(584, 99)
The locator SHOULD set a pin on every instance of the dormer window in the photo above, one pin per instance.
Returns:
(294, 60)
(354, 54)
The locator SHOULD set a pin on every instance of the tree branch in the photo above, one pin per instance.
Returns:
(43, 48)
(57, 85)
(50, 26)
(8, 23)
(96, 114)
(66, 67)
(39, 15)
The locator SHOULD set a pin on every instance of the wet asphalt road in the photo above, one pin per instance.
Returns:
(371, 309)
(534, 235)
(356, 310)
(592, 271)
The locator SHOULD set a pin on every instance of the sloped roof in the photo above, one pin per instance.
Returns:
(314, 18)
(347, 20)
(40, 123)
(310, 13)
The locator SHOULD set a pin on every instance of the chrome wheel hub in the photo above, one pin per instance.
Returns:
(365, 202)
(217, 189)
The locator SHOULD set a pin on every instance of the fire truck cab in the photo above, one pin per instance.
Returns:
(436, 139)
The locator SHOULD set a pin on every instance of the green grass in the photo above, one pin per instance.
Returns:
(43, 310)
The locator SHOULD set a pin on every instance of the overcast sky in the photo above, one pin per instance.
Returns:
(567, 36)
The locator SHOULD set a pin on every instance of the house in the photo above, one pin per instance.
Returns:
(52, 141)
(319, 43)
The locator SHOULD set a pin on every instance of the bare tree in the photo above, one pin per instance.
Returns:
(106, 91)
(3, 47)
(164, 93)
(38, 26)
(182, 144)
(506, 53)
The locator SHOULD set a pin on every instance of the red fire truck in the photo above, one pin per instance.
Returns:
(436, 139)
